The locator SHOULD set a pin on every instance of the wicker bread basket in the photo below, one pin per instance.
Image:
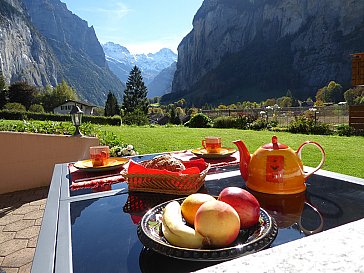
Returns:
(182, 184)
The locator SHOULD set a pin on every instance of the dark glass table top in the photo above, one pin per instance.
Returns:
(104, 229)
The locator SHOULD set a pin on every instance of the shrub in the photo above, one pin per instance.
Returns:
(320, 129)
(243, 121)
(199, 121)
(305, 125)
(137, 117)
(225, 122)
(37, 108)
(14, 106)
(22, 115)
(259, 124)
(109, 138)
(42, 127)
(345, 130)
(299, 125)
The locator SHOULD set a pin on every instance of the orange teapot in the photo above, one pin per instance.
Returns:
(275, 168)
(287, 210)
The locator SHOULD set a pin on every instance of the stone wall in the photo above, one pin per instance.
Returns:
(27, 160)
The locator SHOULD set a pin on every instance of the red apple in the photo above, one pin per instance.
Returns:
(245, 204)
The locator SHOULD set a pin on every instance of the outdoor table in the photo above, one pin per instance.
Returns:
(96, 231)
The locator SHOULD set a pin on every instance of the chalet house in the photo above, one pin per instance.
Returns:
(66, 107)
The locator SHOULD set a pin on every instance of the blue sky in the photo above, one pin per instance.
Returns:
(143, 26)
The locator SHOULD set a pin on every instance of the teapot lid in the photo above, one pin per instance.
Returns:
(275, 145)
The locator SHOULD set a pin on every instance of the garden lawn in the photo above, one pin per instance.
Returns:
(343, 154)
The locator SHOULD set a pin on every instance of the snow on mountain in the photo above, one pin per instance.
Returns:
(121, 61)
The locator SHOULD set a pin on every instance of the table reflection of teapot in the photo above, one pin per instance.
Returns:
(287, 209)
(275, 168)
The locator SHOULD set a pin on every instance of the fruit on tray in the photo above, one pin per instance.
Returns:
(245, 204)
(192, 203)
(176, 231)
(218, 222)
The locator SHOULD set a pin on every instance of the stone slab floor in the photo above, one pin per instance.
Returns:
(21, 215)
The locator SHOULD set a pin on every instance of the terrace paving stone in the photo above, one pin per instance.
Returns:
(38, 222)
(32, 242)
(34, 215)
(21, 215)
(19, 258)
(28, 233)
(11, 246)
(38, 203)
(6, 236)
(19, 225)
(25, 268)
(10, 218)
(25, 209)
(9, 270)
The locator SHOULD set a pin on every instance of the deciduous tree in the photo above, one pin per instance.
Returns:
(333, 92)
(53, 97)
(354, 95)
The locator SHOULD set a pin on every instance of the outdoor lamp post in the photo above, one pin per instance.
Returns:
(76, 116)
(314, 110)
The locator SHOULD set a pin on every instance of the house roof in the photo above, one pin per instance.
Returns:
(78, 102)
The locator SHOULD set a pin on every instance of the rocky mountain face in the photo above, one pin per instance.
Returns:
(24, 53)
(162, 83)
(121, 61)
(43, 43)
(255, 49)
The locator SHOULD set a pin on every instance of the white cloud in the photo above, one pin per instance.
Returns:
(114, 11)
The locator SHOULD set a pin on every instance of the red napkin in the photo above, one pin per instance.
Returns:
(105, 178)
(192, 167)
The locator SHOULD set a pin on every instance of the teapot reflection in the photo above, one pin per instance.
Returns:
(287, 210)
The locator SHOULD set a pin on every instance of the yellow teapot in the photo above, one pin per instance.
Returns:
(275, 168)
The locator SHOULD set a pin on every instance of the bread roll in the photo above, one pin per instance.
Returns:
(165, 162)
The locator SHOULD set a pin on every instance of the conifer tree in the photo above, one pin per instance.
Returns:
(135, 94)
(23, 93)
(111, 105)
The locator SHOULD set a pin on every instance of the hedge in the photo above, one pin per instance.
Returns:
(15, 115)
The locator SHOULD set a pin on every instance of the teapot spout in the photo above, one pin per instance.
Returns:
(244, 159)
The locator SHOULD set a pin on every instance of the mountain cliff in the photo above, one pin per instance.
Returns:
(162, 83)
(255, 49)
(121, 62)
(24, 53)
(44, 43)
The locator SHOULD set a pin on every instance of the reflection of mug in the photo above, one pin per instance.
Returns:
(99, 155)
(287, 209)
(212, 144)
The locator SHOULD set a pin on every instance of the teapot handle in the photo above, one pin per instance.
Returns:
(316, 230)
(322, 154)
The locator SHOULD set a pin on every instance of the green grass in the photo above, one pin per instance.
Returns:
(343, 154)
